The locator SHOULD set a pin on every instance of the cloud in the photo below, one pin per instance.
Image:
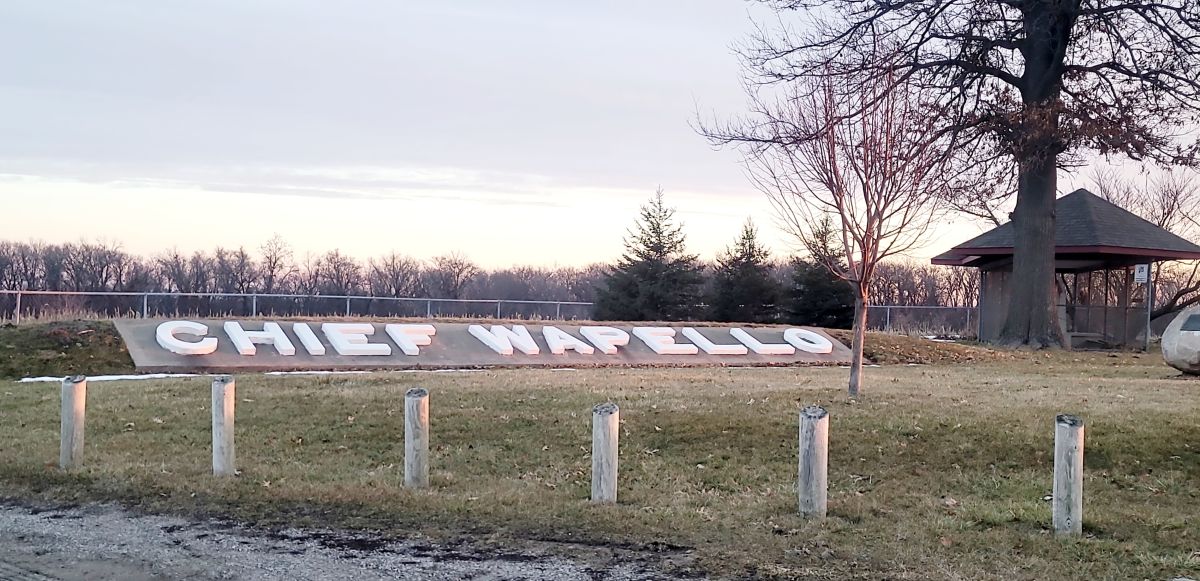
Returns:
(448, 184)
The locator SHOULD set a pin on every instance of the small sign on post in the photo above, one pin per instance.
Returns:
(1141, 275)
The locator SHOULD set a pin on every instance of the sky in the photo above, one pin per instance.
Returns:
(522, 132)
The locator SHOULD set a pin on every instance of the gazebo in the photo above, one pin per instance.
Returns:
(1096, 247)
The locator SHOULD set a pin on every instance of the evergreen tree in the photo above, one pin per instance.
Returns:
(656, 279)
(743, 289)
(818, 298)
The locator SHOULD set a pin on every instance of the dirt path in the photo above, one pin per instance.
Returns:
(100, 543)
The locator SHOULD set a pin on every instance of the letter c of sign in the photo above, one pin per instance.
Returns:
(165, 334)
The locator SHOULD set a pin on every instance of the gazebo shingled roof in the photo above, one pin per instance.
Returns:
(1086, 225)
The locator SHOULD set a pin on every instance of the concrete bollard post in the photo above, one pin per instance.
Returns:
(223, 398)
(1067, 515)
(416, 438)
(813, 478)
(606, 428)
(74, 402)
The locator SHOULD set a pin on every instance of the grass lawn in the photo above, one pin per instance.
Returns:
(938, 472)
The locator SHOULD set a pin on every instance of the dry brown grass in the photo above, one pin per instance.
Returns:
(937, 473)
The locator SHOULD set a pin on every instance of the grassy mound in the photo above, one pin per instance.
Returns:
(884, 348)
(62, 348)
(94, 347)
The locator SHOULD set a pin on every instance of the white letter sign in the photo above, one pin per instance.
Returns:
(165, 334)
(501, 339)
(759, 347)
(712, 348)
(230, 345)
(806, 340)
(272, 334)
(606, 339)
(559, 341)
(662, 341)
(309, 339)
(351, 339)
(411, 337)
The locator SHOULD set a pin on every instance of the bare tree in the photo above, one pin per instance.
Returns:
(235, 271)
(276, 267)
(91, 266)
(958, 287)
(186, 274)
(307, 280)
(449, 275)
(339, 274)
(28, 267)
(581, 283)
(55, 262)
(1169, 200)
(8, 273)
(394, 275)
(1026, 84)
(876, 174)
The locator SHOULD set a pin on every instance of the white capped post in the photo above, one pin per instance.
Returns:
(74, 400)
(1067, 502)
(223, 398)
(606, 427)
(813, 481)
(416, 438)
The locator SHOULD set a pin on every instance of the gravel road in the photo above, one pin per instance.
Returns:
(100, 543)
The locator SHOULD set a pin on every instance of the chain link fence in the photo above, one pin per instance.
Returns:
(924, 320)
(42, 305)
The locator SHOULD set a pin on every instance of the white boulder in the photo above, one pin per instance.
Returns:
(1181, 341)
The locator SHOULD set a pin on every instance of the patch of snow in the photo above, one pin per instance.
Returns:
(435, 370)
(109, 377)
(314, 372)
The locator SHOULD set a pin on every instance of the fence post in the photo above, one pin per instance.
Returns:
(223, 398)
(1067, 503)
(347, 306)
(887, 326)
(254, 305)
(968, 329)
(428, 309)
(498, 308)
(74, 402)
(416, 438)
(606, 426)
(558, 311)
(145, 305)
(813, 478)
(17, 311)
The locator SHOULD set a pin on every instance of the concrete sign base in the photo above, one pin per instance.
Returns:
(206, 345)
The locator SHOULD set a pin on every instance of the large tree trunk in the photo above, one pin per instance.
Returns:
(856, 345)
(1031, 311)
(1031, 308)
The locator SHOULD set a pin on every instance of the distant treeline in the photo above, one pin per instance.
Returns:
(274, 268)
